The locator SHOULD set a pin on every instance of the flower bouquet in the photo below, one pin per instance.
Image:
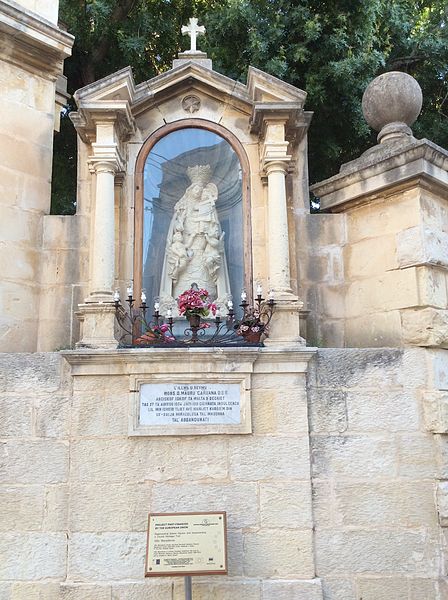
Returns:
(194, 304)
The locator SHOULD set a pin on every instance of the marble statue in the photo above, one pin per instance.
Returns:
(195, 243)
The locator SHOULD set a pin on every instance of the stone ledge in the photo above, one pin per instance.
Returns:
(415, 163)
(32, 42)
(86, 361)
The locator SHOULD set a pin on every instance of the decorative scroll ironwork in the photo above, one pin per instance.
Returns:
(138, 328)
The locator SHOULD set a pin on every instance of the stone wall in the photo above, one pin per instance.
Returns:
(31, 57)
(27, 105)
(375, 274)
(48, 9)
(75, 490)
(375, 468)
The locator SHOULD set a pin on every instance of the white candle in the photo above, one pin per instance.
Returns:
(259, 290)
(217, 313)
(143, 297)
(169, 313)
(271, 294)
(117, 296)
(243, 296)
(230, 304)
(156, 306)
(129, 290)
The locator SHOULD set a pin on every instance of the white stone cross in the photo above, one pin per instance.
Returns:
(193, 30)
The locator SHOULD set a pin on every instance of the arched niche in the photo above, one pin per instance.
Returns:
(164, 168)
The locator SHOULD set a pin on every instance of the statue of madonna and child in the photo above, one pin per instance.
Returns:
(195, 243)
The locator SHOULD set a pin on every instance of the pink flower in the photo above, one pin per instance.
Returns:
(195, 301)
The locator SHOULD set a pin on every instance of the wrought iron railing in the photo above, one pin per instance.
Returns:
(137, 327)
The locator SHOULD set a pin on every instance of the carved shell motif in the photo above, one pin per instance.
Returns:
(191, 104)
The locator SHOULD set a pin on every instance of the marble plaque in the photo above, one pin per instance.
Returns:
(190, 404)
(185, 407)
(186, 544)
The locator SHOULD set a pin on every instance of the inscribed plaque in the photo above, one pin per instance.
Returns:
(193, 404)
(186, 544)
(190, 404)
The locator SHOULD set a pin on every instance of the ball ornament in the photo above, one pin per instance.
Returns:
(392, 103)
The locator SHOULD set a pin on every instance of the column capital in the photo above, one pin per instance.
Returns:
(277, 165)
(275, 156)
(106, 158)
(102, 166)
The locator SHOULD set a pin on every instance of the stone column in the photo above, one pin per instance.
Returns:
(279, 271)
(285, 328)
(97, 314)
(103, 248)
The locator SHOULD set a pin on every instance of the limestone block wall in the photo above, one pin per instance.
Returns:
(27, 106)
(375, 473)
(76, 490)
(377, 274)
(63, 280)
(386, 278)
(31, 57)
(364, 518)
(48, 9)
(320, 244)
(34, 475)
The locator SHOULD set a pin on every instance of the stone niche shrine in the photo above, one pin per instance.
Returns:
(323, 438)
(184, 181)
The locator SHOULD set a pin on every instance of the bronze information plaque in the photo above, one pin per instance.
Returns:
(186, 544)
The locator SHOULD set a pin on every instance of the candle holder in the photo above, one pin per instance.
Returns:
(138, 328)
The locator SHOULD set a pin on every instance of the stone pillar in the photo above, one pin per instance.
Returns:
(103, 248)
(97, 314)
(285, 328)
(279, 271)
(391, 205)
(32, 51)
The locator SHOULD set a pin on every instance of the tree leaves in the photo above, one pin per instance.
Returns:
(330, 48)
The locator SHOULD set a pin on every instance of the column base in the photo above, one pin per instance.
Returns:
(97, 325)
(98, 297)
(284, 329)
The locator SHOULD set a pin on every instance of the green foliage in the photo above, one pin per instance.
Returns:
(111, 34)
(330, 48)
(63, 201)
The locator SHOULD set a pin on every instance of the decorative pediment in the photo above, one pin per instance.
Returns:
(262, 87)
(118, 92)
(118, 86)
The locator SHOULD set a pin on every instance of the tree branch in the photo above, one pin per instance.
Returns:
(120, 12)
(406, 61)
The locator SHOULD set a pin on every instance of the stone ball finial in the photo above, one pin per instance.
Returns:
(391, 103)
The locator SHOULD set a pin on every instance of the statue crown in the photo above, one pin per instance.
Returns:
(199, 174)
